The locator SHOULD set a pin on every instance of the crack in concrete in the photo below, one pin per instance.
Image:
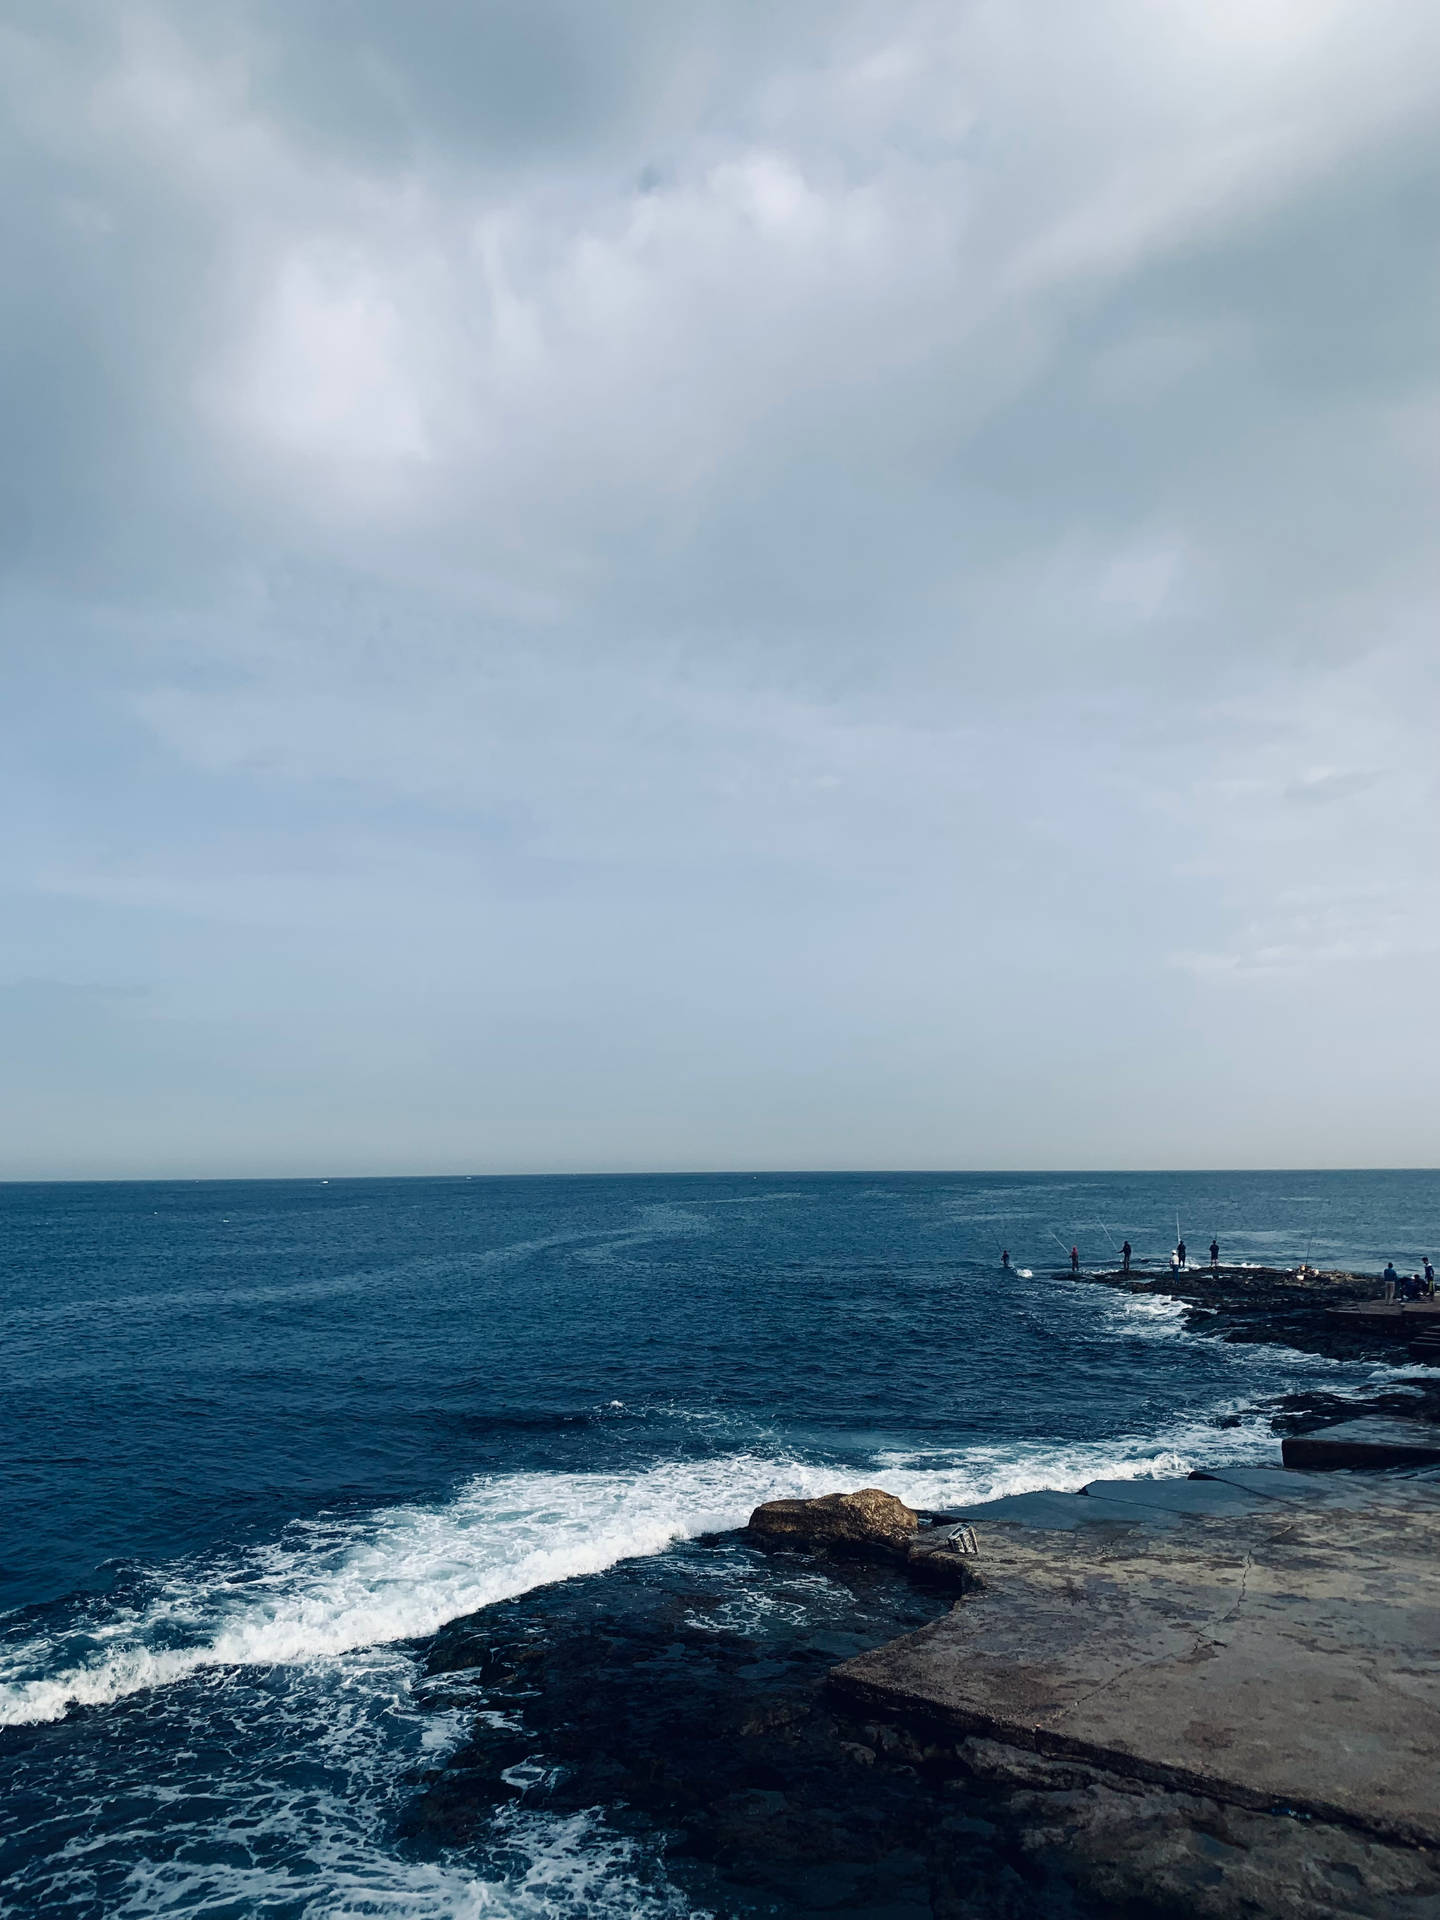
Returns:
(1168, 1659)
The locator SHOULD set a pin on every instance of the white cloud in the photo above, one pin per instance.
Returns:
(917, 516)
(326, 376)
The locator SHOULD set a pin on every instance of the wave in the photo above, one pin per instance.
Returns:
(994, 1471)
(329, 1586)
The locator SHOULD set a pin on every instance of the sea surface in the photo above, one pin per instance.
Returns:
(260, 1439)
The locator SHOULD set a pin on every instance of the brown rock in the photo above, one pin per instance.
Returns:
(865, 1522)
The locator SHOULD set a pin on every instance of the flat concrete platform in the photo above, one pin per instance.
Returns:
(1282, 1653)
(1365, 1444)
(1426, 1310)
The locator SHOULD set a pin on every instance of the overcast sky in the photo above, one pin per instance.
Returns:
(671, 584)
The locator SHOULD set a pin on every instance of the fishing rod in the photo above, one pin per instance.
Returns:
(1108, 1235)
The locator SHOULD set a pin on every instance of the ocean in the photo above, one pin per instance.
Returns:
(263, 1438)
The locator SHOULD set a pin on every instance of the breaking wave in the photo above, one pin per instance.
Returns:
(329, 1587)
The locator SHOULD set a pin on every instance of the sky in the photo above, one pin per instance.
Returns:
(686, 584)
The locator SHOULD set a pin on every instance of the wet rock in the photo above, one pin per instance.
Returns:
(1273, 1304)
(867, 1522)
(735, 1774)
(1185, 1854)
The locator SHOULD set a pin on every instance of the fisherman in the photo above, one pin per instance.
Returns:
(1214, 1255)
(1074, 1260)
(1005, 1258)
(1125, 1257)
(1429, 1277)
(1180, 1253)
(1389, 1277)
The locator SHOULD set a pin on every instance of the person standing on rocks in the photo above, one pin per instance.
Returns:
(1074, 1260)
(1125, 1258)
(1429, 1277)
(1214, 1255)
(1005, 1258)
(1180, 1253)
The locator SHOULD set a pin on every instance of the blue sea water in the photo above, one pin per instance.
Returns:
(262, 1437)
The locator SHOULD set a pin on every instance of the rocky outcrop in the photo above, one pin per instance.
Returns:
(867, 1522)
(763, 1793)
(1271, 1304)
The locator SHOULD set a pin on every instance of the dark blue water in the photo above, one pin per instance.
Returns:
(260, 1435)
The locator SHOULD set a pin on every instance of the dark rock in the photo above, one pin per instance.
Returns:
(760, 1795)
(737, 1773)
(1284, 1305)
(1159, 1852)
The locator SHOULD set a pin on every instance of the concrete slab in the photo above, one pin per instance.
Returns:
(1287, 1656)
(1275, 1483)
(1294, 1486)
(1165, 1501)
(1366, 1444)
(1046, 1510)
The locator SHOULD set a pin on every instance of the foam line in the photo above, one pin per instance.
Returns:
(328, 1588)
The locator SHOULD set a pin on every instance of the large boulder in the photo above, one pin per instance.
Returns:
(865, 1522)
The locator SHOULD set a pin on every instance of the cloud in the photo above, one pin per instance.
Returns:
(656, 485)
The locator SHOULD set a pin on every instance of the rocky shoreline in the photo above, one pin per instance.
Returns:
(765, 1788)
(767, 1794)
(1292, 1308)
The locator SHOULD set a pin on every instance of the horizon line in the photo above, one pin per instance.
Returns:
(692, 1173)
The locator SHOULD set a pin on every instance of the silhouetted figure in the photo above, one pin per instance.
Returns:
(1180, 1253)
(1214, 1253)
(1125, 1258)
(1074, 1260)
(1389, 1277)
(1005, 1258)
(1429, 1277)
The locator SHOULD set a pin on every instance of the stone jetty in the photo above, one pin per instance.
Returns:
(1217, 1696)
(1260, 1636)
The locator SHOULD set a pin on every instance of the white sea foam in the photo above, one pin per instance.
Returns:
(992, 1472)
(292, 1812)
(328, 1587)
(573, 1868)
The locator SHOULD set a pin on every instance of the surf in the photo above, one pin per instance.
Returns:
(332, 1585)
